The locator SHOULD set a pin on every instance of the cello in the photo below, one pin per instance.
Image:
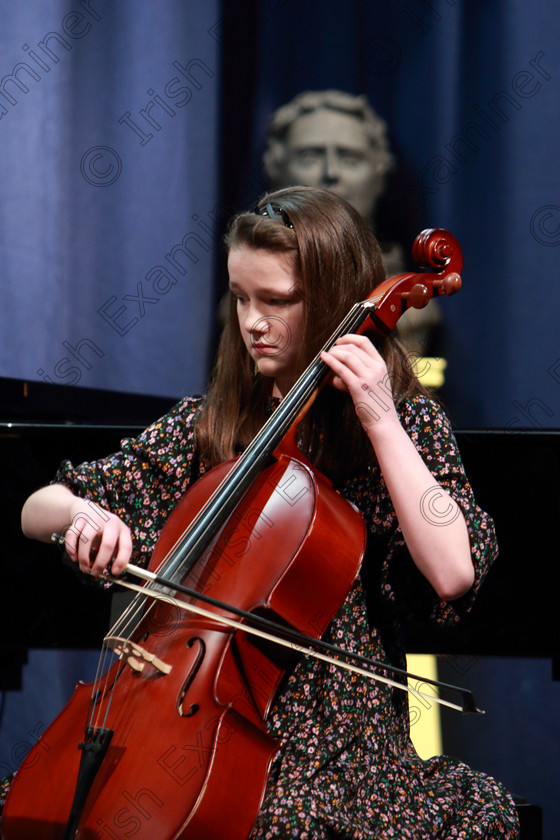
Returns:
(182, 713)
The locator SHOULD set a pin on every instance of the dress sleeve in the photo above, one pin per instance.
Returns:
(397, 578)
(144, 480)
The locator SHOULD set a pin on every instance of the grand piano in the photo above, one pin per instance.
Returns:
(44, 604)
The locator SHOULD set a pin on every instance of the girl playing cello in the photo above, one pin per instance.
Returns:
(346, 767)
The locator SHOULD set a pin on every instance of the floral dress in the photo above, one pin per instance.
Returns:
(346, 767)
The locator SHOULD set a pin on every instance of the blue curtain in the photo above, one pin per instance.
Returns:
(108, 122)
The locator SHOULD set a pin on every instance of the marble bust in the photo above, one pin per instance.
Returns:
(336, 141)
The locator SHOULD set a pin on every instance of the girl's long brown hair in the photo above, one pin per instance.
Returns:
(337, 261)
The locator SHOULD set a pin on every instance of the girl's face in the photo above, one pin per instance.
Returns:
(270, 312)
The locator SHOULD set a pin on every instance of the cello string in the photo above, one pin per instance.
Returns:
(129, 618)
(101, 694)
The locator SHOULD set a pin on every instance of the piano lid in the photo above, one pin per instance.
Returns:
(42, 402)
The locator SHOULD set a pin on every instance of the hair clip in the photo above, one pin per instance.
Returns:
(272, 211)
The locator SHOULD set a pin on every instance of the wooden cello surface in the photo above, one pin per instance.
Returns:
(189, 744)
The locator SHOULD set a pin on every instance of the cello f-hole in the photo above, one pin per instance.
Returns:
(193, 708)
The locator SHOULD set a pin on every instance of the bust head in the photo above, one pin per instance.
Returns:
(332, 140)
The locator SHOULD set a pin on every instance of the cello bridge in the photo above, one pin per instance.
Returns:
(135, 655)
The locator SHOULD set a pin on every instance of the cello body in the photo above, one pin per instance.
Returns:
(189, 743)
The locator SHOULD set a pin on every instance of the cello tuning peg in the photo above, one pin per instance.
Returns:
(449, 284)
(419, 295)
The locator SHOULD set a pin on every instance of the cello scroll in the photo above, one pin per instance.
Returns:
(433, 248)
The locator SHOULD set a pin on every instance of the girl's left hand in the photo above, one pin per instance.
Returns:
(442, 555)
(360, 370)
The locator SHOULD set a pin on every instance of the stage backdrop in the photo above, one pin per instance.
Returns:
(108, 121)
(127, 127)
